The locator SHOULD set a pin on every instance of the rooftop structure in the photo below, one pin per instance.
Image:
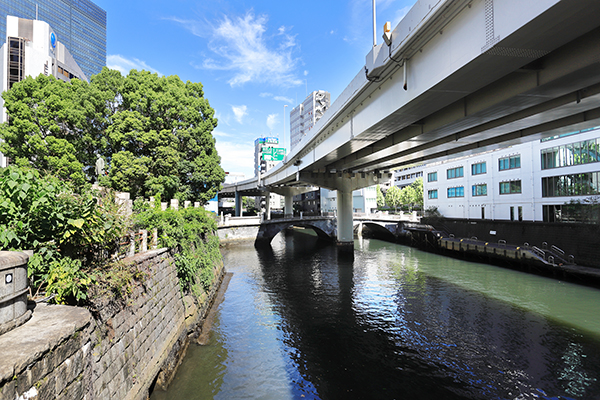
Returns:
(79, 24)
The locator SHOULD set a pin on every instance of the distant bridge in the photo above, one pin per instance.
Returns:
(392, 226)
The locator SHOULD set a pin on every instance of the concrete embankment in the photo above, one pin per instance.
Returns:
(564, 251)
(117, 351)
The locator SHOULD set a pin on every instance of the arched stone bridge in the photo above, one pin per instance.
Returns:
(326, 227)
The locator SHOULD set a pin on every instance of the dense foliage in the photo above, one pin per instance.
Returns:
(379, 197)
(192, 233)
(154, 133)
(68, 232)
(392, 197)
(409, 196)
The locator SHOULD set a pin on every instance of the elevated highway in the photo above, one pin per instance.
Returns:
(458, 77)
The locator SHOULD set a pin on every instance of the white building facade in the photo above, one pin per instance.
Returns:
(526, 182)
(363, 200)
(304, 116)
(32, 48)
(404, 177)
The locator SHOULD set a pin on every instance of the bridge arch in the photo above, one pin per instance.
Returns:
(379, 230)
(325, 228)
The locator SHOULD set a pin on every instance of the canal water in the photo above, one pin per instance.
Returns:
(299, 321)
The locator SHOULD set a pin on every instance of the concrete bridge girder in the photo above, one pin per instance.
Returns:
(344, 180)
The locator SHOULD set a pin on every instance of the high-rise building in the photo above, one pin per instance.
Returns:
(32, 48)
(304, 116)
(79, 24)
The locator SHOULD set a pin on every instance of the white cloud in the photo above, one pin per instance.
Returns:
(242, 47)
(237, 156)
(305, 72)
(272, 121)
(284, 99)
(240, 112)
(266, 94)
(124, 65)
(221, 134)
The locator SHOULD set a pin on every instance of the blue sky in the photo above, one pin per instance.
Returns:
(253, 57)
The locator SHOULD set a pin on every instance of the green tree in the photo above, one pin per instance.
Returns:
(160, 140)
(249, 203)
(392, 197)
(44, 129)
(380, 198)
(155, 133)
(407, 195)
(417, 186)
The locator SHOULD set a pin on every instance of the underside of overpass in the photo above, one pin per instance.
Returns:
(458, 77)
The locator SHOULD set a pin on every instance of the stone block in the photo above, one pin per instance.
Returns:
(24, 381)
(47, 388)
(75, 391)
(8, 391)
(40, 369)
(74, 367)
(61, 377)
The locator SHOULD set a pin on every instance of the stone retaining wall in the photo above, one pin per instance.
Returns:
(115, 352)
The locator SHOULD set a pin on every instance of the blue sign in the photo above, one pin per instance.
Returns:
(53, 39)
(269, 140)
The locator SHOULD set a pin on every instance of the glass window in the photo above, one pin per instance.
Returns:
(432, 194)
(456, 192)
(510, 187)
(479, 168)
(479, 190)
(432, 177)
(509, 163)
(455, 173)
(571, 185)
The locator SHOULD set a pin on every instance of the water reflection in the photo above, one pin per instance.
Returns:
(300, 322)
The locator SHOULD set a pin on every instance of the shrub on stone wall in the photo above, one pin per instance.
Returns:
(191, 233)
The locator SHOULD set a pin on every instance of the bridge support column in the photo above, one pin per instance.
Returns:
(288, 210)
(345, 231)
(268, 206)
(238, 204)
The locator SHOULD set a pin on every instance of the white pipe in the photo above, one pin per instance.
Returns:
(374, 26)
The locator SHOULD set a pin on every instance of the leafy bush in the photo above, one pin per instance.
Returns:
(191, 232)
(67, 281)
(67, 231)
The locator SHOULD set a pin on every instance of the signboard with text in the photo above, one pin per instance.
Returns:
(272, 153)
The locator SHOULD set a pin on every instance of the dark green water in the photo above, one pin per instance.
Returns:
(300, 322)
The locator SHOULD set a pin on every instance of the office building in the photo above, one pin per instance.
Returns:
(406, 176)
(304, 116)
(78, 24)
(556, 179)
(32, 48)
